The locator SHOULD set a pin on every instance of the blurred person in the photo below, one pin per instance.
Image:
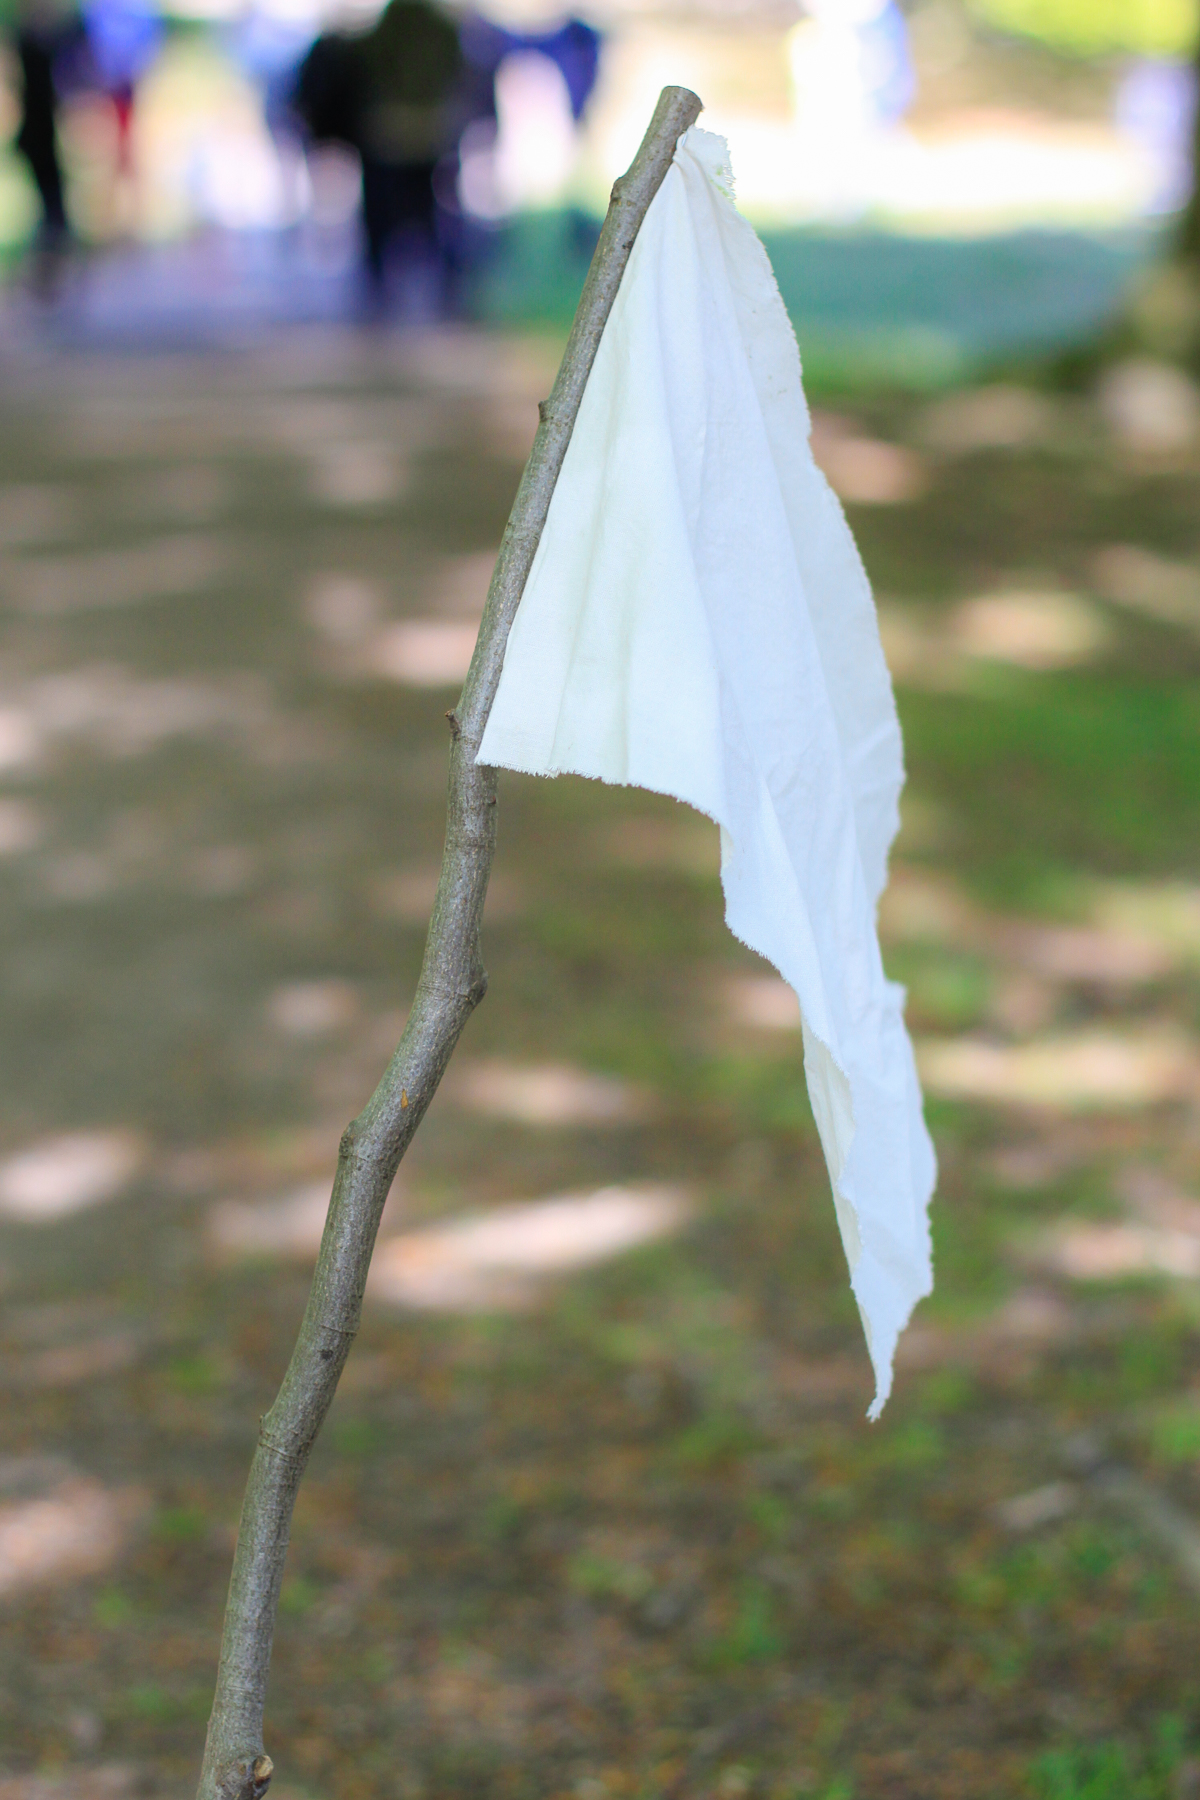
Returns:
(42, 31)
(392, 95)
(269, 43)
(413, 64)
(1155, 105)
(532, 88)
(853, 81)
(573, 47)
(123, 39)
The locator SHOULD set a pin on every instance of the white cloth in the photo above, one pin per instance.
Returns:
(697, 621)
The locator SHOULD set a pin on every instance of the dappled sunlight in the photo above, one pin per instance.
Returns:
(1154, 1197)
(1024, 1327)
(19, 741)
(450, 360)
(549, 1094)
(1039, 1506)
(1132, 935)
(64, 1175)
(64, 1344)
(1152, 408)
(1157, 586)
(79, 1781)
(69, 1530)
(499, 1260)
(919, 650)
(1035, 1162)
(919, 906)
(33, 513)
(765, 1002)
(72, 1365)
(1103, 1251)
(312, 1009)
(863, 470)
(459, 584)
(303, 424)
(510, 425)
(112, 709)
(1108, 957)
(1091, 1069)
(407, 894)
(999, 417)
(288, 1227)
(1021, 1003)
(423, 652)
(89, 580)
(22, 826)
(347, 612)
(1028, 629)
(79, 876)
(192, 494)
(356, 473)
(1033, 630)
(218, 871)
(1165, 913)
(344, 608)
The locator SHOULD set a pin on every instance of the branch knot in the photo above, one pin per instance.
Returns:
(246, 1780)
(278, 1450)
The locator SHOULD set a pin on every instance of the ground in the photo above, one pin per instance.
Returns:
(619, 1530)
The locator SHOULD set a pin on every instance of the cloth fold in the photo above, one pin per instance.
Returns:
(697, 621)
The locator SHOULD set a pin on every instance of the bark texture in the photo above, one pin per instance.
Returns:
(451, 985)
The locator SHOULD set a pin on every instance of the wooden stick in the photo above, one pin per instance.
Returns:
(451, 985)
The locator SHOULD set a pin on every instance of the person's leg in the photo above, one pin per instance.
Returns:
(36, 138)
(416, 207)
(375, 220)
(415, 202)
(122, 104)
(47, 175)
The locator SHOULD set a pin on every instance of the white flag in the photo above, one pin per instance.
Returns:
(697, 621)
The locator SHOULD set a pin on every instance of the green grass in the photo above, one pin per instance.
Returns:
(1114, 1770)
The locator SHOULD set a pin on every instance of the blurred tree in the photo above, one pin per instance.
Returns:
(1163, 316)
(1188, 243)
(1161, 28)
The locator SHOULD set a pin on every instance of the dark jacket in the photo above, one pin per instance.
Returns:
(390, 93)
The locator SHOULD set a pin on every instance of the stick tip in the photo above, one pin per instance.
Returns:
(681, 104)
(677, 111)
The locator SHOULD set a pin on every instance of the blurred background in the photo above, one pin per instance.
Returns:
(596, 1512)
(937, 185)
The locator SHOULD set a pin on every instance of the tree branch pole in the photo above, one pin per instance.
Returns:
(451, 985)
